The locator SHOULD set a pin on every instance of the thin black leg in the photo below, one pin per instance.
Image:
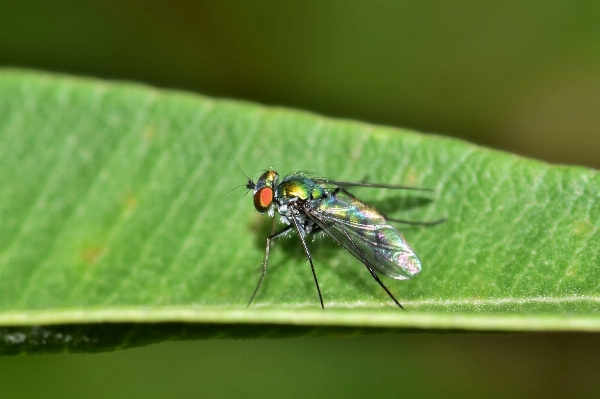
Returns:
(266, 259)
(376, 277)
(312, 267)
(370, 269)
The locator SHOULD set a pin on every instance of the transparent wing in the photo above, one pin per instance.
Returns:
(365, 233)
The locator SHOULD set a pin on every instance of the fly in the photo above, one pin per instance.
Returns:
(313, 205)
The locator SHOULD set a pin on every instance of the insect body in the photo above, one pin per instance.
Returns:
(313, 205)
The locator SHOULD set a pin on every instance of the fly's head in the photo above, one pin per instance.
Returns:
(264, 191)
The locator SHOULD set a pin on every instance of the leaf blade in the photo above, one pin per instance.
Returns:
(112, 199)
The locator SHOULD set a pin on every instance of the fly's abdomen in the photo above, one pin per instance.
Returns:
(366, 234)
(397, 259)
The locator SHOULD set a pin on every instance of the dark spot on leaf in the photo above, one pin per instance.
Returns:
(91, 254)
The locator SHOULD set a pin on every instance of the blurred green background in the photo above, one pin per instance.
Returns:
(522, 76)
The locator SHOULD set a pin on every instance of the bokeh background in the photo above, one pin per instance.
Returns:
(522, 76)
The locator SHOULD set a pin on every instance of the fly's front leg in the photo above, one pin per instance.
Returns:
(266, 258)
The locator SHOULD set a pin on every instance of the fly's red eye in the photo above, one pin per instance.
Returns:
(263, 199)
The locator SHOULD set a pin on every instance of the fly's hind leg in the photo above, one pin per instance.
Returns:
(370, 269)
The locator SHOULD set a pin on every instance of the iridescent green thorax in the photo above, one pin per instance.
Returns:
(298, 186)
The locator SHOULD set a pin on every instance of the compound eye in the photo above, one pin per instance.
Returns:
(263, 199)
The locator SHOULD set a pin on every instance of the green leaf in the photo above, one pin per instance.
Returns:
(114, 209)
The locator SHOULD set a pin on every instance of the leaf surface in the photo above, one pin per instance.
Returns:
(113, 210)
